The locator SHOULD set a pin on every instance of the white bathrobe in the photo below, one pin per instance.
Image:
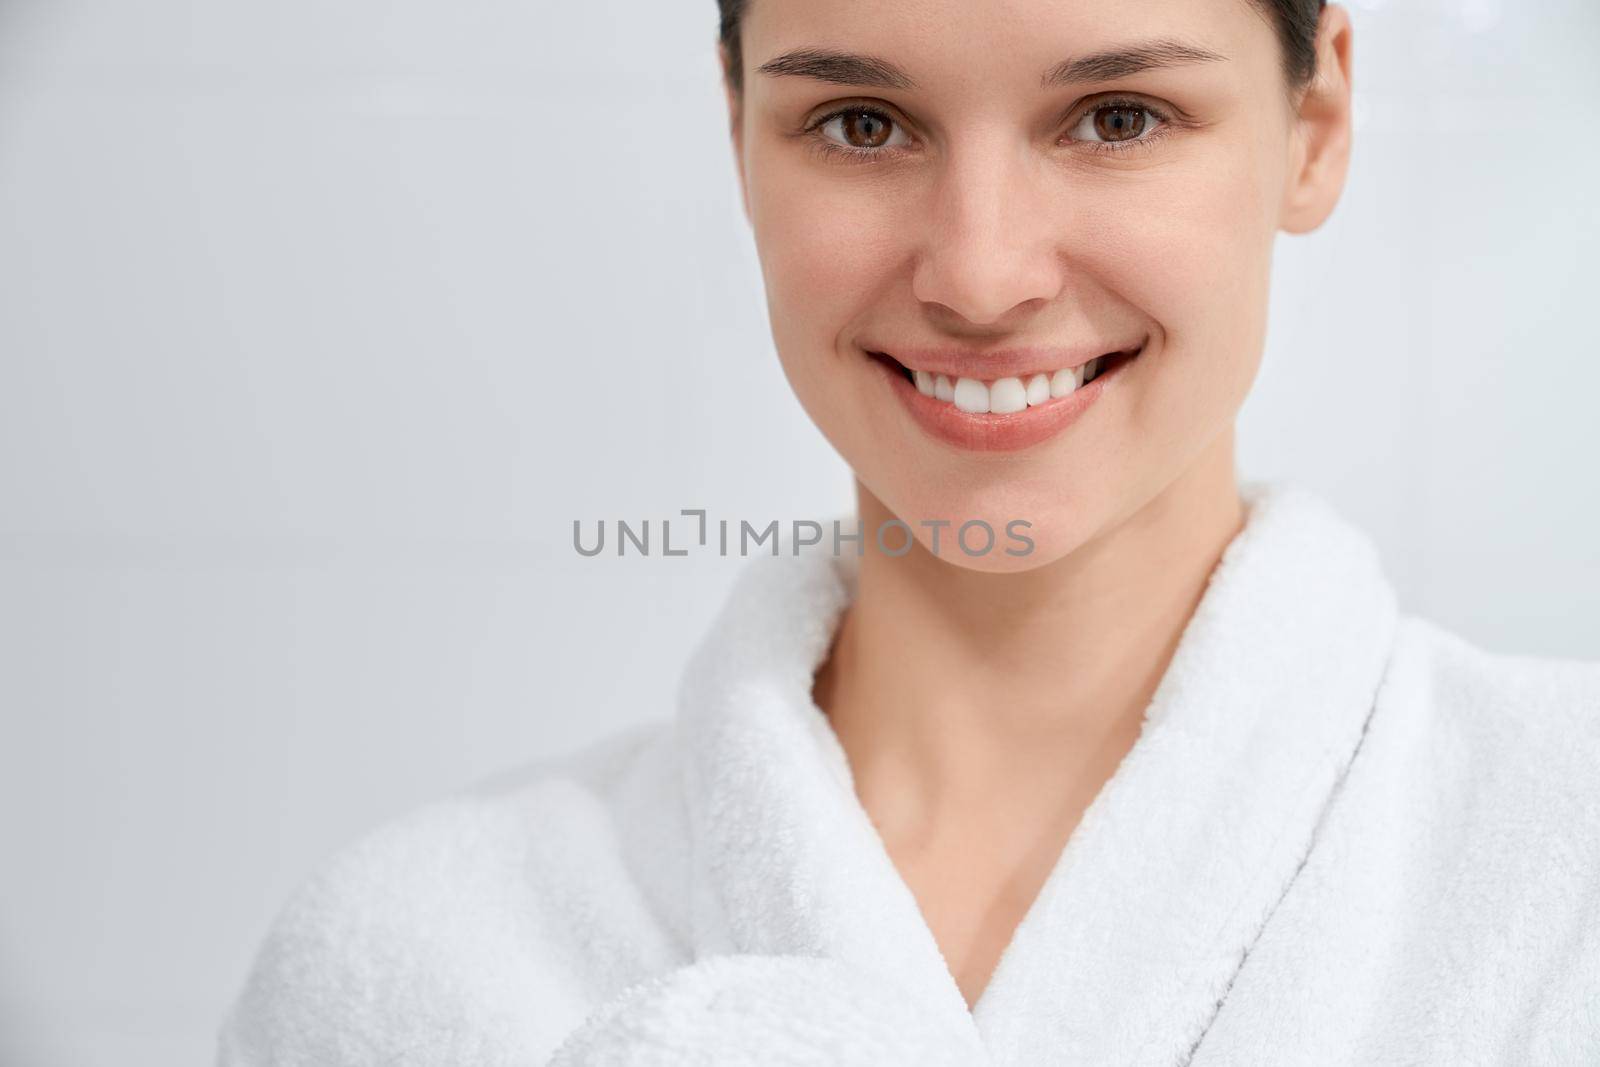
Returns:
(1344, 836)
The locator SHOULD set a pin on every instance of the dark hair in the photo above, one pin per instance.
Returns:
(1295, 20)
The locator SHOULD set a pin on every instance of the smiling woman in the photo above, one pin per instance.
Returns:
(1178, 784)
(994, 222)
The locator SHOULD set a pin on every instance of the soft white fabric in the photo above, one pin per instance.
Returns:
(1344, 836)
(742, 1009)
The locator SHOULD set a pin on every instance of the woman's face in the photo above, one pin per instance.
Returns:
(1002, 191)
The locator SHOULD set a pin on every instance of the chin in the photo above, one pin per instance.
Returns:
(1004, 528)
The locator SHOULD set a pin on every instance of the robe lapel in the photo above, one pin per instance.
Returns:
(1132, 943)
(785, 860)
(1177, 865)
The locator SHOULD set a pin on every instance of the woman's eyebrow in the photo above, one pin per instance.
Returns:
(849, 68)
(840, 68)
(1124, 61)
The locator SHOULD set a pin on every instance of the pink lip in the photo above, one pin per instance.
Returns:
(996, 433)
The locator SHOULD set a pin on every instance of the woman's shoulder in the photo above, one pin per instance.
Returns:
(1520, 699)
(466, 929)
(1506, 744)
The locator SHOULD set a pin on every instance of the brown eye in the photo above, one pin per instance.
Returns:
(863, 130)
(1118, 122)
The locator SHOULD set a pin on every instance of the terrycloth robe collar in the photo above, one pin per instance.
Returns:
(1176, 867)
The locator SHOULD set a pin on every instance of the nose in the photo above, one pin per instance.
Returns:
(988, 247)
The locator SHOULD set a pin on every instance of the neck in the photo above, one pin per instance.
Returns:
(951, 688)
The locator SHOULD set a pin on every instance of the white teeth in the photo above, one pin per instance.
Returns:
(1007, 395)
(972, 396)
(1038, 389)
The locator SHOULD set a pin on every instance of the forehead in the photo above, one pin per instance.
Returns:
(967, 45)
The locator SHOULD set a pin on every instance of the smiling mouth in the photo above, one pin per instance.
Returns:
(1004, 396)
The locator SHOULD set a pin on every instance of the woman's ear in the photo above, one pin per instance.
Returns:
(1321, 155)
(735, 123)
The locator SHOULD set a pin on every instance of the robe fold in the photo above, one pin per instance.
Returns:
(1344, 835)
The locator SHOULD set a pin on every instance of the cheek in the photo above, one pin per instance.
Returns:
(1191, 249)
(821, 235)
(828, 252)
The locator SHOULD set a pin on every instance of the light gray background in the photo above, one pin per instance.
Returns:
(320, 322)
